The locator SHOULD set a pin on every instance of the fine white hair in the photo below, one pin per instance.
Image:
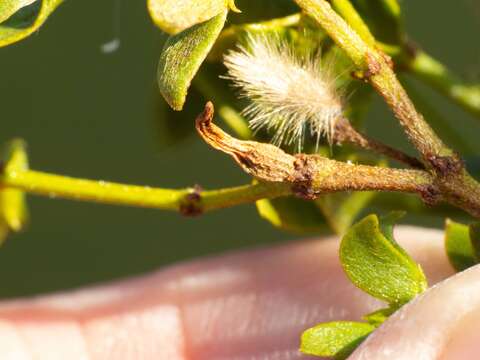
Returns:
(288, 92)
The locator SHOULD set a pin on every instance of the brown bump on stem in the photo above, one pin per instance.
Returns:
(430, 194)
(191, 205)
(446, 166)
(373, 66)
(303, 177)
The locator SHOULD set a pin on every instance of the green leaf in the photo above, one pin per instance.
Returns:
(26, 21)
(475, 239)
(377, 317)
(182, 56)
(375, 263)
(13, 209)
(176, 16)
(292, 214)
(335, 339)
(10, 7)
(458, 245)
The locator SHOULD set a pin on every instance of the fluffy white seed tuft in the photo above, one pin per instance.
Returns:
(289, 93)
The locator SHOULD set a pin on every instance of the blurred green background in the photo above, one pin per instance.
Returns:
(89, 114)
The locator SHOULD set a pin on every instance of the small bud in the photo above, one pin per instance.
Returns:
(289, 93)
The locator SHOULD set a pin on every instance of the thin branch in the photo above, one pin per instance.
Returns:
(189, 201)
(346, 133)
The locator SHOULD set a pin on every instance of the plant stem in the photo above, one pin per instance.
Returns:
(452, 181)
(189, 201)
(346, 9)
(419, 63)
(346, 133)
(376, 67)
(311, 175)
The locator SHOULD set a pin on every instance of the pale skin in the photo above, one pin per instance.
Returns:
(246, 306)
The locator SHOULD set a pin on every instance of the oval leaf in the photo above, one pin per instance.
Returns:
(335, 339)
(182, 56)
(26, 21)
(176, 16)
(292, 214)
(458, 245)
(375, 263)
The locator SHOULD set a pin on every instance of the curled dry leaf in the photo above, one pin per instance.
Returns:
(310, 175)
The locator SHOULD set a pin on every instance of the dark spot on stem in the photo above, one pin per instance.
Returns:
(191, 205)
(303, 177)
(430, 194)
(446, 166)
(373, 66)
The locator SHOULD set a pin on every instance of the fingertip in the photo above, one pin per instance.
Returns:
(433, 325)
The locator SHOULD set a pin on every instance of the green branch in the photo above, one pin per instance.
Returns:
(189, 201)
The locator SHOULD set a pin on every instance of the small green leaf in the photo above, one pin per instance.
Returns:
(182, 56)
(475, 240)
(176, 16)
(459, 248)
(376, 318)
(335, 339)
(292, 214)
(26, 21)
(375, 263)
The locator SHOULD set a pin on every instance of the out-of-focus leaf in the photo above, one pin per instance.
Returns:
(299, 30)
(182, 56)
(342, 209)
(458, 245)
(375, 263)
(176, 16)
(13, 209)
(10, 7)
(26, 21)
(383, 18)
(334, 339)
(292, 214)
(207, 82)
(438, 121)
(475, 239)
(255, 11)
